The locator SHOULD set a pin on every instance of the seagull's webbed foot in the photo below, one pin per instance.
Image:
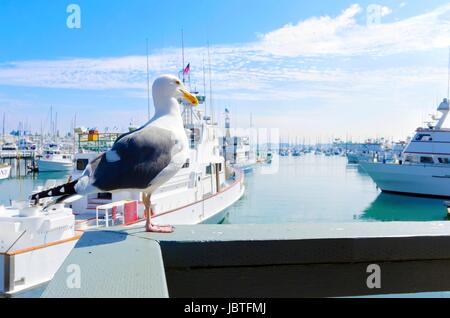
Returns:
(165, 229)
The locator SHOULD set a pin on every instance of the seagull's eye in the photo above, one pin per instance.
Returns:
(178, 82)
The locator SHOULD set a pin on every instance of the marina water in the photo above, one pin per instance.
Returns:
(306, 189)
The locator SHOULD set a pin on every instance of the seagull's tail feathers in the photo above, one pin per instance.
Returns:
(63, 191)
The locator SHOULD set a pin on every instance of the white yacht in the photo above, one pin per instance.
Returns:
(54, 160)
(238, 151)
(9, 149)
(424, 166)
(34, 243)
(199, 193)
(5, 171)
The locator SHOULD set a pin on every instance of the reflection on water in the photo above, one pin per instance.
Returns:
(313, 189)
(19, 188)
(392, 207)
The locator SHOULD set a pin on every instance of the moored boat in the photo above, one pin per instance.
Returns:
(55, 160)
(424, 166)
(34, 243)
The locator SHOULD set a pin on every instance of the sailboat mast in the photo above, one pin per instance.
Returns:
(148, 82)
(51, 121)
(3, 129)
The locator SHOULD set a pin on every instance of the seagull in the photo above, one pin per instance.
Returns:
(142, 160)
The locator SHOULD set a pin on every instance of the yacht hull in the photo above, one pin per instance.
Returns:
(409, 179)
(211, 210)
(54, 166)
(33, 247)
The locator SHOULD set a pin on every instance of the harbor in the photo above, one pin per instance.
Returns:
(292, 151)
(331, 184)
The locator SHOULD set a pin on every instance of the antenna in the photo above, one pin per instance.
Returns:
(210, 86)
(148, 83)
(204, 85)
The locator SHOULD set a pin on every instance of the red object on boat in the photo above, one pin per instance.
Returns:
(130, 213)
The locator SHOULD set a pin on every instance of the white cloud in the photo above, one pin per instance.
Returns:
(294, 62)
(385, 11)
(342, 35)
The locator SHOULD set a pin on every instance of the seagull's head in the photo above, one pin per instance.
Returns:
(169, 87)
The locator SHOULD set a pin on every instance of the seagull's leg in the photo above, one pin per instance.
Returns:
(146, 201)
(147, 204)
(149, 227)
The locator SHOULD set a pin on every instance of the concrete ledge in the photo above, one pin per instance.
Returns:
(305, 260)
(112, 265)
(257, 245)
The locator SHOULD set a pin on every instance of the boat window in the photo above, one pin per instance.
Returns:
(104, 196)
(82, 164)
(411, 159)
(423, 137)
(219, 167)
(426, 160)
(444, 160)
(195, 137)
(209, 170)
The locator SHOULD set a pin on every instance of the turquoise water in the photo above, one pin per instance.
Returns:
(314, 189)
(20, 185)
(305, 189)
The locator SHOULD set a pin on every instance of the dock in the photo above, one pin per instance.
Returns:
(302, 260)
(16, 158)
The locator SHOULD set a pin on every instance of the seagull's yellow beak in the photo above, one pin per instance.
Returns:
(189, 97)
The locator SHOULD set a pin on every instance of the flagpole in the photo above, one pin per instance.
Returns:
(182, 51)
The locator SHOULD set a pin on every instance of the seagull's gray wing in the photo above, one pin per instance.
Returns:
(143, 155)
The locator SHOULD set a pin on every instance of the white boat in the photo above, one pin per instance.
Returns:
(200, 193)
(5, 171)
(424, 167)
(238, 151)
(8, 150)
(54, 160)
(34, 242)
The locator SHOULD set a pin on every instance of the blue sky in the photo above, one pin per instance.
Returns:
(313, 69)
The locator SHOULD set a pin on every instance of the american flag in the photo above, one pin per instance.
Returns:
(187, 69)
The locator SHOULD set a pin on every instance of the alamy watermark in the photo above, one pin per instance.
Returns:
(264, 142)
(374, 279)
(73, 280)
(375, 13)
(74, 18)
